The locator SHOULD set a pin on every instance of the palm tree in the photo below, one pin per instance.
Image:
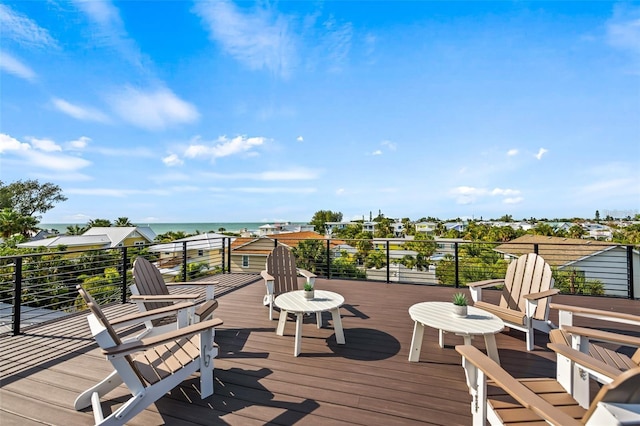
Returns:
(75, 230)
(123, 222)
(96, 223)
(9, 222)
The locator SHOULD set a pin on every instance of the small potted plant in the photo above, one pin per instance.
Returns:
(459, 305)
(308, 291)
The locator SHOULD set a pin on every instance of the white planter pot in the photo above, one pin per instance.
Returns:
(308, 294)
(459, 311)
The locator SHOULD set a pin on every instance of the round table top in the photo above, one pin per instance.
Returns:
(440, 315)
(323, 300)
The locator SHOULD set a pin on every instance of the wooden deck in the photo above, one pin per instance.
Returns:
(368, 381)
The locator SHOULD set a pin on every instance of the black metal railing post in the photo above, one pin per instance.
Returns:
(124, 274)
(388, 263)
(224, 252)
(184, 261)
(536, 249)
(630, 272)
(229, 255)
(457, 261)
(328, 259)
(17, 295)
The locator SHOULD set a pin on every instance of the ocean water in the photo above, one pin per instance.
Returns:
(188, 228)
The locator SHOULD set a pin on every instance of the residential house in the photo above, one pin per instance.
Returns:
(207, 247)
(98, 238)
(428, 228)
(250, 254)
(598, 260)
(284, 227)
(329, 227)
(369, 226)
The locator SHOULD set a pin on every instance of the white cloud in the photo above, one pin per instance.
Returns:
(337, 43)
(13, 66)
(42, 154)
(172, 160)
(390, 145)
(512, 152)
(23, 30)
(340, 191)
(505, 192)
(8, 143)
(117, 193)
(79, 112)
(377, 152)
(56, 162)
(46, 145)
(293, 174)
(541, 152)
(224, 147)
(260, 39)
(468, 190)
(623, 29)
(153, 110)
(300, 139)
(78, 144)
(275, 190)
(513, 200)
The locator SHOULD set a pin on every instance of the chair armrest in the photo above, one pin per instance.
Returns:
(604, 336)
(206, 308)
(542, 294)
(193, 284)
(149, 342)
(513, 387)
(584, 360)
(140, 317)
(600, 314)
(266, 276)
(164, 297)
(486, 283)
(306, 273)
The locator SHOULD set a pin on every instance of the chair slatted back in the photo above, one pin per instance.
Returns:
(149, 281)
(525, 275)
(95, 309)
(281, 264)
(625, 389)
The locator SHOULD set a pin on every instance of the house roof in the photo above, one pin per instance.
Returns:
(117, 234)
(107, 237)
(206, 241)
(556, 251)
(68, 240)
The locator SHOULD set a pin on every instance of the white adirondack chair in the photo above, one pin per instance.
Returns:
(526, 293)
(281, 275)
(161, 362)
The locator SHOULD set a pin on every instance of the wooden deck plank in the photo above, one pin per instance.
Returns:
(258, 380)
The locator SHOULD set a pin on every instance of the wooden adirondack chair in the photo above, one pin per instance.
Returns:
(150, 291)
(281, 275)
(526, 292)
(611, 363)
(162, 362)
(500, 399)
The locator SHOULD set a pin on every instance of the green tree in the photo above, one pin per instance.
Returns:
(76, 230)
(576, 231)
(30, 196)
(123, 222)
(9, 222)
(543, 229)
(323, 216)
(310, 255)
(423, 244)
(99, 223)
(376, 259)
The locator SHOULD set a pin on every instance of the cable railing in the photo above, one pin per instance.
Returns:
(41, 286)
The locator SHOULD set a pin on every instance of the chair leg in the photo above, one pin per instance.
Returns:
(111, 382)
(530, 336)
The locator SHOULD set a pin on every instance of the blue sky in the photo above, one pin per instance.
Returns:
(176, 111)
